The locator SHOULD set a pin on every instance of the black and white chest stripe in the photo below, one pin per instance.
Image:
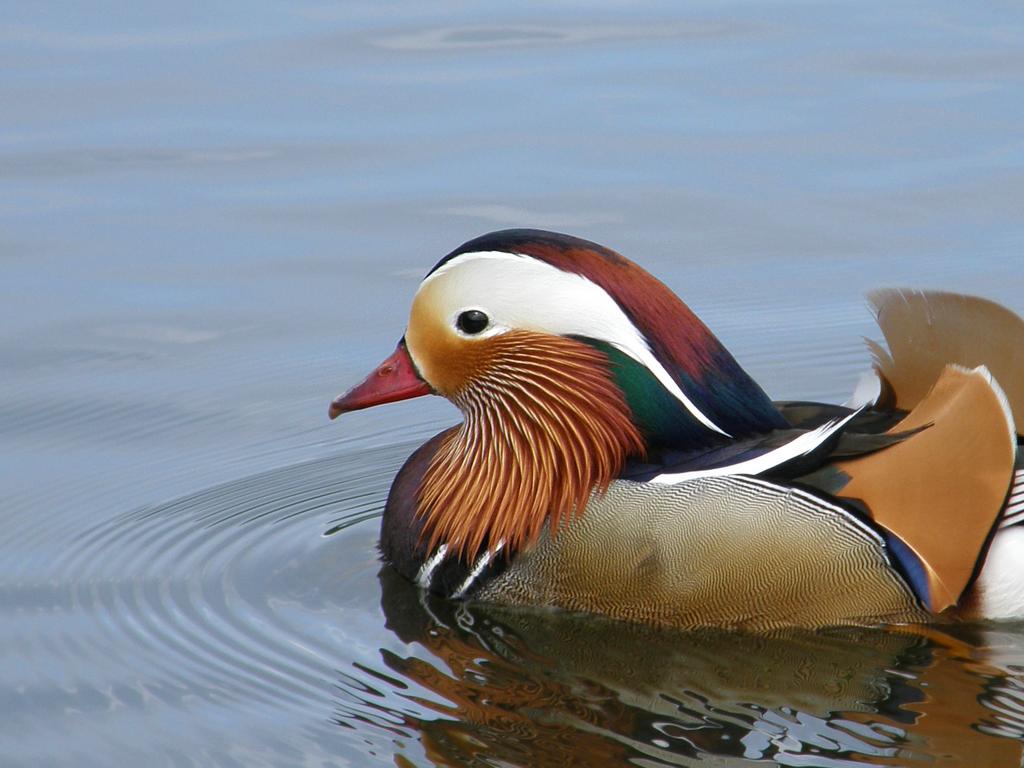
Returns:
(451, 577)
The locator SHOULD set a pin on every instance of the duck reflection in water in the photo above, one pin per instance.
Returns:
(506, 686)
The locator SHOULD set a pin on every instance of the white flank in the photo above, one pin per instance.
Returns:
(798, 446)
(1001, 582)
(519, 291)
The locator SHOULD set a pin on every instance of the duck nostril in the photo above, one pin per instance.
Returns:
(394, 379)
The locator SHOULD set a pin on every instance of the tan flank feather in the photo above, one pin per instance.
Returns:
(941, 490)
(926, 330)
(544, 425)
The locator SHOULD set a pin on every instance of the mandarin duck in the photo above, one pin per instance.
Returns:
(614, 457)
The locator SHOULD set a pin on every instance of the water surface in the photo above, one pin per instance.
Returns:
(212, 221)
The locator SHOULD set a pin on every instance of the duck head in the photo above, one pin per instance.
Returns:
(566, 359)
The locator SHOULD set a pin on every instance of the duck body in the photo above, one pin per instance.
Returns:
(616, 459)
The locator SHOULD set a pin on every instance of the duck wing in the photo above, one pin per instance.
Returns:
(927, 330)
(941, 492)
(833, 433)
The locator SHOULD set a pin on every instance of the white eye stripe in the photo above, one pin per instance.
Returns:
(557, 302)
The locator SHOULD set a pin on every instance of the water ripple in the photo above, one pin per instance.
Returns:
(263, 600)
(230, 599)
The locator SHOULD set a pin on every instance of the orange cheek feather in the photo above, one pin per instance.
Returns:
(544, 426)
(445, 360)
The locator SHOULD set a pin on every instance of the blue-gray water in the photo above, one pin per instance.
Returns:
(212, 219)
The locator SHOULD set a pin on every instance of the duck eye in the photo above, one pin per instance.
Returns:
(472, 321)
